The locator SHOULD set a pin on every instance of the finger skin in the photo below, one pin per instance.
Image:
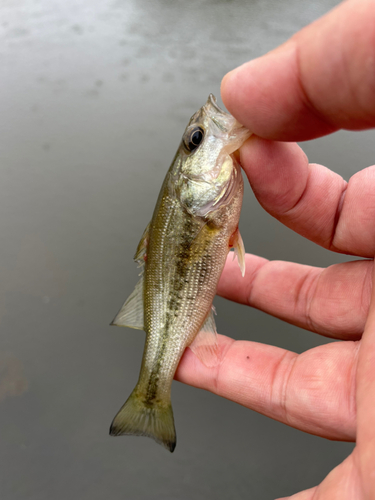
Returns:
(319, 81)
(355, 477)
(313, 391)
(365, 404)
(311, 199)
(333, 302)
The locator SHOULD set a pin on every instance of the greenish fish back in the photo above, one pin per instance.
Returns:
(140, 418)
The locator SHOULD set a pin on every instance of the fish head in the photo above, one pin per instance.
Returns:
(208, 174)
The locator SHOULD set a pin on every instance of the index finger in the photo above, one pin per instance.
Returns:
(319, 81)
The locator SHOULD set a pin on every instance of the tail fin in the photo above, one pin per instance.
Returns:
(138, 418)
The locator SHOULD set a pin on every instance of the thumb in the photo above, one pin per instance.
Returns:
(321, 80)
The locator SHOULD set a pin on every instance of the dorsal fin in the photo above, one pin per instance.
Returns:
(131, 313)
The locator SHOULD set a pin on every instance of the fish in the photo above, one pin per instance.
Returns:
(182, 254)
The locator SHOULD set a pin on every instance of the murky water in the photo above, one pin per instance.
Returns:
(94, 98)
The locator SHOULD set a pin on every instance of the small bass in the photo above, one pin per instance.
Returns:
(182, 254)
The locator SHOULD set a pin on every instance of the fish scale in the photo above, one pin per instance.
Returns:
(182, 253)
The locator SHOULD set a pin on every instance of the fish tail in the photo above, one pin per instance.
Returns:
(141, 418)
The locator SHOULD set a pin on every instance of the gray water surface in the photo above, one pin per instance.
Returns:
(94, 98)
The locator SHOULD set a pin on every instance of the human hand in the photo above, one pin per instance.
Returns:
(321, 80)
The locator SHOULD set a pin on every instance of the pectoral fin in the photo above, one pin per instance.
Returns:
(131, 313)
(205, 345)
(239, 250)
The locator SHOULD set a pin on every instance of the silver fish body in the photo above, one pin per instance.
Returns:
(183, 252)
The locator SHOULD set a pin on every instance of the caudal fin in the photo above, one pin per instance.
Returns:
(138, 418)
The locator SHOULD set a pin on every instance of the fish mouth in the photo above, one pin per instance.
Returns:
(212, 102)
(226, 123)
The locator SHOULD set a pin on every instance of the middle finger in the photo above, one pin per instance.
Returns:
(333, 301)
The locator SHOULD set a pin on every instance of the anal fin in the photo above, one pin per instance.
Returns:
(205, 345)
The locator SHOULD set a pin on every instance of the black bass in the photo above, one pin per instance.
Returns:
(182, 253)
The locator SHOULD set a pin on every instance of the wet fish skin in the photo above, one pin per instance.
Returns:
(182, 253)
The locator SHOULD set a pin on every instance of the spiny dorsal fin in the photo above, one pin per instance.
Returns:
(205, 345)
(131, 313)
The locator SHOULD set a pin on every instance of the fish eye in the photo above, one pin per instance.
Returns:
(194, 138)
